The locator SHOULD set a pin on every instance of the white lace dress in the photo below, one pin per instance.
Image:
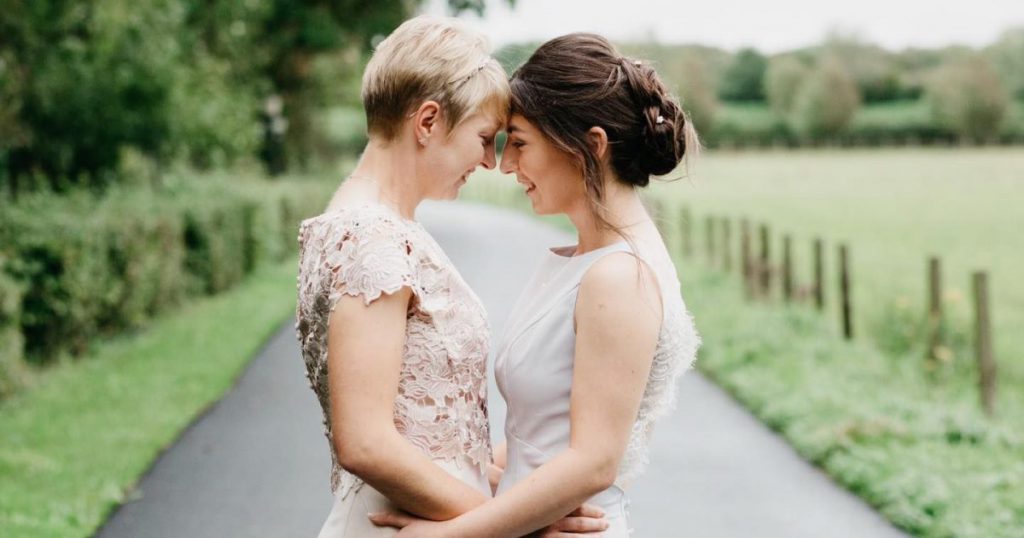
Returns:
(534, 367)
(441, 407)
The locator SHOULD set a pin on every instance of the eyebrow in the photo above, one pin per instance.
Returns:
(512, 128)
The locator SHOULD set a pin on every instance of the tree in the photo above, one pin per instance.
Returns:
(826, 102)
(82, 81)
(782, 78)
(1007, 55)
(698, 96)
(871, 67)
(968, 97)
(742, 80)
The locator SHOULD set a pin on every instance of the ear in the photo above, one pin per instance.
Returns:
(427, 119)
(598, 140)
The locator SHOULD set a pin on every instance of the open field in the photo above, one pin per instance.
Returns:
(894, 208)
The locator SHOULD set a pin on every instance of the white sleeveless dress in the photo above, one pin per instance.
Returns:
(441, 408)
(534, 367)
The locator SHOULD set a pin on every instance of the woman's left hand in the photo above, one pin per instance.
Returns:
(410, 526)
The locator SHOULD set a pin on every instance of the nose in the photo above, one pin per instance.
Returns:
(508, 159)
(490, 157)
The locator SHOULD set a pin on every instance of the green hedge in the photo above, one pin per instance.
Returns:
(12, 368)
(91, 266)
(881, 124)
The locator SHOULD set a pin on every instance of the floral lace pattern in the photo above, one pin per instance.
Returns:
(366, 251)
(675, 353)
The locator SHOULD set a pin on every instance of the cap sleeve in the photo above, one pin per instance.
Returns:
(369, 255)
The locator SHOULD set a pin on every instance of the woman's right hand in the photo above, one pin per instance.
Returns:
(587, 519)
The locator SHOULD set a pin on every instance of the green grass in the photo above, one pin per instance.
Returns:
(905, 434)
(894, 208)
(73, 446)
(914, 446)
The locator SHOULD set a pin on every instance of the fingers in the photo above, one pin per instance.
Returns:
(588, 510)
(579, 525)
(390, 519)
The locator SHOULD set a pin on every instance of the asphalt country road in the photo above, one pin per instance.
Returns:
(256, 463)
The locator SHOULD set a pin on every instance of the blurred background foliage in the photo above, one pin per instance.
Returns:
(106, 105)
(845, 91)
(135, 144)
(188, 81)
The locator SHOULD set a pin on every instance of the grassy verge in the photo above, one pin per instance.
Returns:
(914, 446)
(72, 447)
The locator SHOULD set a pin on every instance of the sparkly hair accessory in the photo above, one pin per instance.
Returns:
(476, 70)
(660, 120)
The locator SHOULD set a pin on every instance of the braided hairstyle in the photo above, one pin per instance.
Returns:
(578, 81)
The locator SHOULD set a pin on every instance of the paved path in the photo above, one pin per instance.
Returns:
(256, 464)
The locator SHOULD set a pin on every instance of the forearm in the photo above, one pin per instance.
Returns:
(416, 484)
(549, 493)
(497, 468)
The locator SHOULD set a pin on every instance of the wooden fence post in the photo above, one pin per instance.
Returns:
(983, 343)
(846, 310)
(765, 263)
(709, 229)
(934, 307)
(787, 268)
(726, 244)
(819, 274)
(746, 260)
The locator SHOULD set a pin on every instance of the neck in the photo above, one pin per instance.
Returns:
(623, 210)
(391, 167)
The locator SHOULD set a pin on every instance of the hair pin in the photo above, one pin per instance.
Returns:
(479, 68)
(660, 120)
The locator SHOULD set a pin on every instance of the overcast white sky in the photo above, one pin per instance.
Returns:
(770, 26)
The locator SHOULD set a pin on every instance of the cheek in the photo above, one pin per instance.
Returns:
(467, 153)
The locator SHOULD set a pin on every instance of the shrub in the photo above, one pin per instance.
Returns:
(967, 97)
(12, 368)
(782, 78)
(825, 102)
(742, 80)
(84, 265)
(698, 97)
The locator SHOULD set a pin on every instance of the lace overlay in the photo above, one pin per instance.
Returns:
(365, 251)
(675, 353)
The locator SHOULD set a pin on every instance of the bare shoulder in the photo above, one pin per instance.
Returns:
(619, 288)
(619, 274)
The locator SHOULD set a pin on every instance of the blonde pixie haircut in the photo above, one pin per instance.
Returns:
(432, 58)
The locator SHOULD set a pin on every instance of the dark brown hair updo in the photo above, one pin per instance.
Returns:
(579, 81)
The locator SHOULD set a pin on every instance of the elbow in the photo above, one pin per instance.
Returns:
(358, 452)
(601, 472)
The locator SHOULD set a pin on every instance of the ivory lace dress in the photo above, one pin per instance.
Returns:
(366, 251)
(534, 367)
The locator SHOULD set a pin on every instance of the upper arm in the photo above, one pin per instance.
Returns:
(372, 277)
(364, 357)
(618, 319)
